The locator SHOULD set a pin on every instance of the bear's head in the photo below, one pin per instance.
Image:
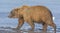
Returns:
(14, 13)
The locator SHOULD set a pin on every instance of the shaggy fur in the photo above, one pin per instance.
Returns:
(33, 14)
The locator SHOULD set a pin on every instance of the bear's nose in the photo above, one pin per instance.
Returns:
(9, 16)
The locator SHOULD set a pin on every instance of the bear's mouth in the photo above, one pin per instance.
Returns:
(13, 16)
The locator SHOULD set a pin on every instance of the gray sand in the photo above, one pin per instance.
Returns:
(18, 31)
(11, 30)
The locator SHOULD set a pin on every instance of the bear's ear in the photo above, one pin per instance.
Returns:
(25, 6)
(16, 9)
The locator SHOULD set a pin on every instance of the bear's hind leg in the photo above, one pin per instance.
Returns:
(44, 28)
(31, 24)
(52, 25)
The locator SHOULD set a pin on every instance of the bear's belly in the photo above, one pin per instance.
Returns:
(37, 20)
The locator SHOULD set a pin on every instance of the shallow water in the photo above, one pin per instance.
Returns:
(9, 23)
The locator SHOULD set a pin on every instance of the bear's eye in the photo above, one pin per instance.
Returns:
(15, 9)
(12, 13)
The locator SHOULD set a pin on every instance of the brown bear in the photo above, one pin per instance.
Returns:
(33, 14)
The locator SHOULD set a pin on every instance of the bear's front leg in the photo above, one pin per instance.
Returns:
(20, 23)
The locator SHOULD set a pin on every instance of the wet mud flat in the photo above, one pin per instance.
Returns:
(6, 31)
(3, 31)
(10, 30)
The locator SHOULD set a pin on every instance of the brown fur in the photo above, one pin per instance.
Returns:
(35, 14)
